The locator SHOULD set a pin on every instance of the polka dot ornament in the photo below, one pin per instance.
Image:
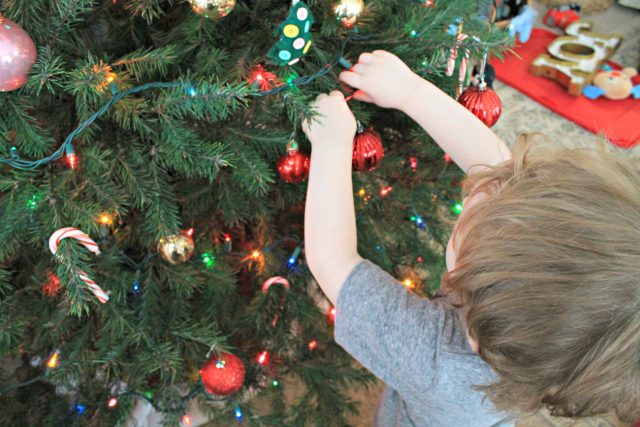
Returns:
(295, 38)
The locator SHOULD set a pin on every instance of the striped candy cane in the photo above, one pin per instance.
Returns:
(464, 62)
(276, 280)
(74, 233)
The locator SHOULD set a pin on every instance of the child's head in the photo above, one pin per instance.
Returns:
(548, 273)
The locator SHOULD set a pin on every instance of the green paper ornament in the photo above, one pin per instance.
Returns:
(295, 37)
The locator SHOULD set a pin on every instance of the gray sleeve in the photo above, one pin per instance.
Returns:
(391, 331)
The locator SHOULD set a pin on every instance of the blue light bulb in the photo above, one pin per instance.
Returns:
(136, 287)
(80, 408)
(238, 413)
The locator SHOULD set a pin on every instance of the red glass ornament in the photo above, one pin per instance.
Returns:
(17, 55)
(294, 167)
(367, 150)
(223, 374)
(483, 102)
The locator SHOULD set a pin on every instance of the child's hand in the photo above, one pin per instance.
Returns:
(334, 123)
(382, 78)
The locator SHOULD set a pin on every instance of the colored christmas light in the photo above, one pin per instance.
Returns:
(418, 220)
(186, 420)
(312, 344)
(294, 256)
(70, 155)
(275, 383)
(189, 232)
(385, 190)
(33, 201)
(263, 357)
(447, 158)
(227, 238)
(256, 254)
(378, 248)
(112, 403)
(457, 208)
(148, 394)
(237, 413)
(106, 219)
(52, 286)
(208, 260)
(408, 283)
(331, 313)
(413, 162)
(262, 79)
(419, 259)
(80, 408)
(53, 362)
(136, 287)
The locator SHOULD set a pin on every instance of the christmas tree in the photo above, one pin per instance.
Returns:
(152, 200)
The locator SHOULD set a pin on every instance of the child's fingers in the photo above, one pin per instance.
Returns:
(366, 58)
(351, 78)
(382, 53)
(360, 68)
(362, 96)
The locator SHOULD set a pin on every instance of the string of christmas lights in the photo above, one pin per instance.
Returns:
(15, 161)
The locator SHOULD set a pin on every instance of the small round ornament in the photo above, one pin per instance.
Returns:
(212, 9)
(294, 166)
(223, 374)
(348, 11)
(483, 102)
(176, 249)
(367, 150)
(17, 55)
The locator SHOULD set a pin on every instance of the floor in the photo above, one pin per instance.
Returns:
(522, 114)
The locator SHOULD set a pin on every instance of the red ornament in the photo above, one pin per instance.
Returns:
(294, 167)
(483, 102)
(367, 150)
(223, 374)
(17, 55)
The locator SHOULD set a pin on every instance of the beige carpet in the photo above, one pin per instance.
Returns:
(522, 114)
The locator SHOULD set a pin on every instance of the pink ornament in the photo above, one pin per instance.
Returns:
(17, 55)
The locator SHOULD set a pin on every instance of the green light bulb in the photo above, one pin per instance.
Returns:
(457, 208)
(208, 260)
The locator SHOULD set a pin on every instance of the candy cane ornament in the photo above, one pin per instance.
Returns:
(276, 280)
(87, 242)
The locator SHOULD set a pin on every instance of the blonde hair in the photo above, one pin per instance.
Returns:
(548, 274)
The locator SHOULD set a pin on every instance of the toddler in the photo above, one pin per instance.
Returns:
(540, 307)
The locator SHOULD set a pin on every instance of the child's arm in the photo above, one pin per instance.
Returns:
(382, 78)
(330, 226)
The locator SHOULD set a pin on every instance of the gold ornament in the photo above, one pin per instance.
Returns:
(176, 249)
(212, 9)
(348, 11)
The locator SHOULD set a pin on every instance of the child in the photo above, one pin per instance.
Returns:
(542, 303)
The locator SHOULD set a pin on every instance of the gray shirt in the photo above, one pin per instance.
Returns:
(418, 347)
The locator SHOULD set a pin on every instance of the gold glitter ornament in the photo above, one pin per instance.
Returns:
(176, 249)
(212, 9)
(348, 11)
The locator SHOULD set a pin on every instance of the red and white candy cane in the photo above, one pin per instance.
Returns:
(87, 242)
(462, 70)
(276, 280)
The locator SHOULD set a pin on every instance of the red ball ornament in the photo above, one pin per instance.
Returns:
(223, 374)
(294, 167)
(367, 150)
(17, 55)
(483, 102)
